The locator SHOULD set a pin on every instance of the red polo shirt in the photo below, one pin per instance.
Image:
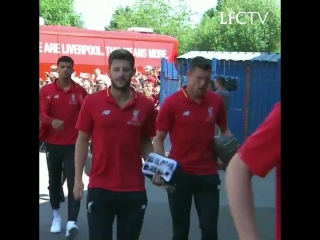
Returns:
(55, 103)
(261, 153)
(116, 135)
(191, 130)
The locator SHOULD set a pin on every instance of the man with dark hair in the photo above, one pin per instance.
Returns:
(60, 104)
(121, 123)
(190, 116)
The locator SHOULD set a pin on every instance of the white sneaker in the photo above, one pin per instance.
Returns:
(56, 226)
(72, 230)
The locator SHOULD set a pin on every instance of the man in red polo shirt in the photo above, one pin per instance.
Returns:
(121, 123)
(190, 116)
(60, 104)
(258, 156)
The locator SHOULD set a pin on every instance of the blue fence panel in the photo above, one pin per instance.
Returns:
(264, 91)
(170, 83)
(169, 80)
(236, 109)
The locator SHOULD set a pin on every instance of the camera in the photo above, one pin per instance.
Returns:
(231, 84)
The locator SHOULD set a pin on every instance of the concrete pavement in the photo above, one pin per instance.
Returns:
(157, 224)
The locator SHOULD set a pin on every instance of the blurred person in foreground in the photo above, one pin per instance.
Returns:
(190, 116)
(60, 103)
(258, 156)
(121, 123)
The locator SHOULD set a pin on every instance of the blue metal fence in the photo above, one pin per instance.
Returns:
(258, 90)
(265, 91)
(170, 83)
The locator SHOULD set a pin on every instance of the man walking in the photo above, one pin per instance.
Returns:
(121, 123)
(190, 116)
(60, 103)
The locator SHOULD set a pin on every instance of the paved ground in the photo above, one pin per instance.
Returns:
(157, 225)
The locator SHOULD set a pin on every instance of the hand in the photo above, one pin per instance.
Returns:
(57, 124)
(78, 190)
(225, 133)
(220, 163)
(157, 180)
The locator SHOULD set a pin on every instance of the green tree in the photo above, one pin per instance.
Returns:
(120, 11)
(164, 16)
(211, 35)
(63, 13)
(212, 12)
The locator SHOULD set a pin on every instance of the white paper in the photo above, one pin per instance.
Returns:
(156, 163)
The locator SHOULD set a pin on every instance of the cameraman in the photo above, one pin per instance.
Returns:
(220, 84)
(221, 89)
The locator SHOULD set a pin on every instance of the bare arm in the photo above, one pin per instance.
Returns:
(158, 142)
(238, 184)
(258, 155)
(148, 132)
(81, 154)
(164, 124)
(159, 149)
(85, 126)
(146, 147)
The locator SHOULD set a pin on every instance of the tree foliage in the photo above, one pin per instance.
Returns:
(164, 16)
(250, 37)
(213, 12)
(173, 18)
(62, 13)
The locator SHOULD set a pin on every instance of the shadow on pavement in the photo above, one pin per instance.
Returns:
(157, 224)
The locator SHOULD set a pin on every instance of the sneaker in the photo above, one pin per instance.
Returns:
(72, 230)
(56, 226)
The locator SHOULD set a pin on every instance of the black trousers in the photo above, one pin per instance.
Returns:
(58, 156)
(64, 178)
(205, 191)
(102, 207)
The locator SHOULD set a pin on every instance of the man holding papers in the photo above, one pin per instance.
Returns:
(190, 116)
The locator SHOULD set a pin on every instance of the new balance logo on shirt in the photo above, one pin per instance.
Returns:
(186, 113)
(106, 112)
